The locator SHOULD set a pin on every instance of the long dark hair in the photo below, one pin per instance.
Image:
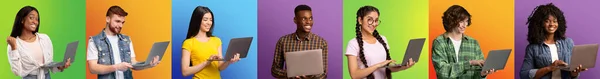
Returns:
(196, 20)
(362, 12)
(18, 25)
(536, 33)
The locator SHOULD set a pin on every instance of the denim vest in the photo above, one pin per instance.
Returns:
(105, 55)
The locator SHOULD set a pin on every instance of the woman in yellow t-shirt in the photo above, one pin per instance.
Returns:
(201, 48)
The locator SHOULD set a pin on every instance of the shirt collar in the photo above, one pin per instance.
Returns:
(309, 36)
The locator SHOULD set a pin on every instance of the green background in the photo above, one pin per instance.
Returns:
(62, 20)
(402, 20)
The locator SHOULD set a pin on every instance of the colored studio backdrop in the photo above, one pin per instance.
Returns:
(581, 19)
(232, 19)
(400, 21)
(62, 20)
(147, 22)
(276, 19)
(491, 25)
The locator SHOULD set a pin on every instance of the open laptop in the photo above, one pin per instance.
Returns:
(158, 49)
(496, 59)
(413, 50)
(584, 55)
(69, 53)
(308, 62)
(238, 45)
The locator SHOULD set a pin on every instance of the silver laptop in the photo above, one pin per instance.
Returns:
(238, 45)
(496, 59)
(413, 50)
(584, 55)
(69, 53)
(158, 49)
(308, 62)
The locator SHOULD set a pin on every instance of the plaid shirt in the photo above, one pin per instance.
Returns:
(291, 43)
(447, 66)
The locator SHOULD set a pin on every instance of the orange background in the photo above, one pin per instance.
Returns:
(492, 25)
(148, 21)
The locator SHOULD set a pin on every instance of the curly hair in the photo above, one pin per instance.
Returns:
(362, 12)
(453, 16)
(536, 33)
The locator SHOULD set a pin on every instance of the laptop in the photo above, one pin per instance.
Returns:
(69, 53)
(158, 49)
(413, 50)
(584, 55)
(308, 62)
(496, 59)
(238, 45)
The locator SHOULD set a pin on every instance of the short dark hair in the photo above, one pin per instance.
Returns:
(536, 33)
(116, 10)
(300, 8)
(18, 25)
(453, 16)
(196, 20)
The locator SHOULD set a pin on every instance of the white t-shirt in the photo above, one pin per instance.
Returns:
(36, 50)
(92, 52)
(554, 55)
(374, 53)
(456, 44)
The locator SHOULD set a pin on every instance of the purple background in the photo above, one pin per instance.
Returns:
(582, 17)
(275, 19)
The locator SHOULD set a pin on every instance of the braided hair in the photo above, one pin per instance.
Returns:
(361, 13)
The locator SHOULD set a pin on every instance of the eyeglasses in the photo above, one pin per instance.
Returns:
(372, 21)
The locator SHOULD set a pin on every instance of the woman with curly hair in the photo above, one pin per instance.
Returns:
(548, 47)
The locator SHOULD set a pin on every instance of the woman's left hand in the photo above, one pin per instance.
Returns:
(67, 64)
(410, 64)
(577, 70)
(155, 61)
(235, 58)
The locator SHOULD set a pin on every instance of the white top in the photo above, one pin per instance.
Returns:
(374, 53)
(554, 55)
(92, 52)
(25, 61)
(36, 50)
(456, 44)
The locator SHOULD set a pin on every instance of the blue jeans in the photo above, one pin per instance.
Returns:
(35, 76)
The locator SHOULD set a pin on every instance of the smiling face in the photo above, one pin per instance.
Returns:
(369, 22)
(31, 21)
(115, 23)
(462, 26)
(551, 24)
(207, 22)
(304, 20)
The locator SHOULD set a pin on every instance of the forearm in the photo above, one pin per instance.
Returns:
(101, 69)
(189, 70)
(541, 72)
(223, 65)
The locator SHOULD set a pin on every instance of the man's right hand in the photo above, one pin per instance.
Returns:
(122, 66)
(477, 62)
(12, 41)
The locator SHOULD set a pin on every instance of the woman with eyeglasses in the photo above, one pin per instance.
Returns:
(368, 53)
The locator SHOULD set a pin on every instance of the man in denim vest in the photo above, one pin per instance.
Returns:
(110, 53)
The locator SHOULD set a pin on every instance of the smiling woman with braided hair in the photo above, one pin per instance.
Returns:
(368, 53)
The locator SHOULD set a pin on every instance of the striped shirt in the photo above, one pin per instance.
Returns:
(291, 43)
(448, 66)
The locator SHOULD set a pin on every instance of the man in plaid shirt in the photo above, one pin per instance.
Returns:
(300, 40)
(454, 54)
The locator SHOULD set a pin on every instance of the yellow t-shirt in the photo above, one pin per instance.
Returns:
(200, 51)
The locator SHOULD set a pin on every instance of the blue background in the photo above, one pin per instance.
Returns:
(233, 18)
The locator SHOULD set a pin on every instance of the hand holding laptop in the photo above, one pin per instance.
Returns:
(235, 58)
(123, 66)
(477, 62)
(404, 67)
(67, 64)
(577, 70)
